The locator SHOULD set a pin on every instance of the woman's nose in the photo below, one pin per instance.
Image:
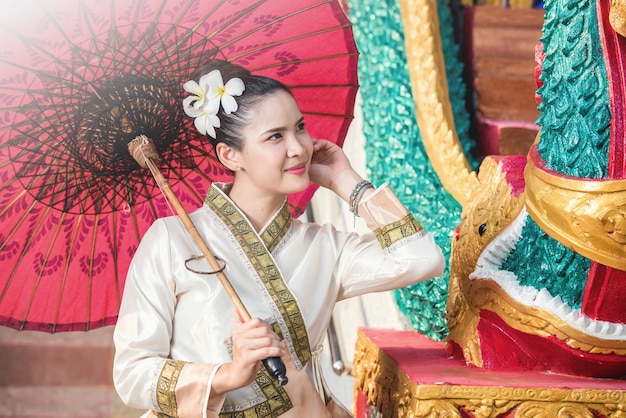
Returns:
(295, 146)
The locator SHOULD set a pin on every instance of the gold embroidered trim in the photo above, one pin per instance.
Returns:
(394, 232)
(277, 402)
(259, 255)
(276, 230)
(166, 387)
(263, 264)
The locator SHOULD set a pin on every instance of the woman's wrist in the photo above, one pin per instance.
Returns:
(343, 184)
(223, 380)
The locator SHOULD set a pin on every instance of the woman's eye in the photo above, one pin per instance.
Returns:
(275, 136)
(300, 127)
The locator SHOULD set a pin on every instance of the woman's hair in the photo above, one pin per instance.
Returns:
(257, 88)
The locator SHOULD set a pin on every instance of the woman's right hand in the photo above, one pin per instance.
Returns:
(253, 341)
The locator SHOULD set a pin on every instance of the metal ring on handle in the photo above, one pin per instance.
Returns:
(201, 257)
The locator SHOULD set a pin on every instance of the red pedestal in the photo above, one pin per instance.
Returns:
(404, 374)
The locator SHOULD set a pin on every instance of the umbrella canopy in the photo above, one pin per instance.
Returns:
(79, 79)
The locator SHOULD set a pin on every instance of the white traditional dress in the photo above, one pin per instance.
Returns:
(174, 328)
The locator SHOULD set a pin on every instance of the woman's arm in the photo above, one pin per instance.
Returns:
(398, 254)
(143, 373)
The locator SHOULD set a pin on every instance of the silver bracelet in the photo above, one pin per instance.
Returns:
(357, 195)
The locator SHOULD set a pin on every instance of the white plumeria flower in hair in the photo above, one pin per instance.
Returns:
(223, 93)
(199, 92)
(204, 122)
(196, 106)
(206, 97)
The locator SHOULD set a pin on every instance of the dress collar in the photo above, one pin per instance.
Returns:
(271, 234)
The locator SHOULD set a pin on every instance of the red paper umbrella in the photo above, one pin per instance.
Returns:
(80, 79)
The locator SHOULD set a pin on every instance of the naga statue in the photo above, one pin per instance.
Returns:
(537, 242)
(538, 267)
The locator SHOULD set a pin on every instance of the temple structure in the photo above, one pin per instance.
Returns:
(535, 316)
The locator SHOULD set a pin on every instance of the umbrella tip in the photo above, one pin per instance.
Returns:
(141, 149)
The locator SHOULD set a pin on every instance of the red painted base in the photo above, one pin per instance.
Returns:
(425, 364)
(505, 348)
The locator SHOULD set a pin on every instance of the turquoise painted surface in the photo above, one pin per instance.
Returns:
(394, 147)
(575, 133)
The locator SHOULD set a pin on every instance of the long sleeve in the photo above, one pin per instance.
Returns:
(144, 374)
(397, 254)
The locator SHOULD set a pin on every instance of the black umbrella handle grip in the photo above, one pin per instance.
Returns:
(276, 369)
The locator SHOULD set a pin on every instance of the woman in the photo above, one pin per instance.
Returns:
(180, 349)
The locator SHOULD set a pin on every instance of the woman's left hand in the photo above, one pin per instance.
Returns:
(330, 168)
(327, 162)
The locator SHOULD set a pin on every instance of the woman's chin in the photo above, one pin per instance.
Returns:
(299, 184)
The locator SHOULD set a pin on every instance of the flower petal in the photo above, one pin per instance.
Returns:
(189, 109)
(213, 80)
(187, 101)
(214, 120)
(210, 130)
(193, 112)
(200, 123)
(199, 104)
(193, 101)
(192, 87)
(229, 104)
(211, 105)
(204, 82)
(235, 86)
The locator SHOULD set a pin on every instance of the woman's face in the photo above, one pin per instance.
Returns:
(277, 149)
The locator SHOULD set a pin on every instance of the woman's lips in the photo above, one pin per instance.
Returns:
(297, 169)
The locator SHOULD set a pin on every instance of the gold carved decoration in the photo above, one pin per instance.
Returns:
(430, 93)
(538, 409)
(524, 4)
(493, 204)
(617, 16)
(394, 394)
(587, 216)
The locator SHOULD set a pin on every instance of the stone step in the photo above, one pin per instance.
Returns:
(58, 375)
(63, 402)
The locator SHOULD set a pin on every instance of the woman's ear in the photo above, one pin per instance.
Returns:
(228, 156)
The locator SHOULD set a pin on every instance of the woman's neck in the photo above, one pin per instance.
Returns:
(258, 207)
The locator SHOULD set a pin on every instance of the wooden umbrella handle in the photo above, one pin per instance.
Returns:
(193, 231)
(146, 158)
